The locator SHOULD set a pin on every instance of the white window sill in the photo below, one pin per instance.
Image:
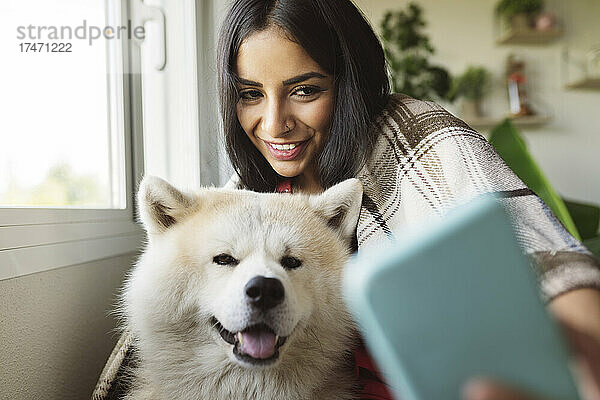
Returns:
(28, 249)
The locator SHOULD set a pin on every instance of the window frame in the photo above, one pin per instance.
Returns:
(39, 239)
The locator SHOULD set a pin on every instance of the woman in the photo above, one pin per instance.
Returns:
(305, 104)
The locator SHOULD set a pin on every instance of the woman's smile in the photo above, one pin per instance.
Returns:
(286, 151)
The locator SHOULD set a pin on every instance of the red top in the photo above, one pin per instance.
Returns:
(284, 186)
(372, 386)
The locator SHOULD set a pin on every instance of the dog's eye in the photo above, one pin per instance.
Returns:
(290, 262)
(225, 259)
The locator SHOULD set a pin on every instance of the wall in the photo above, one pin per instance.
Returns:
(55, 332)
(463, 33)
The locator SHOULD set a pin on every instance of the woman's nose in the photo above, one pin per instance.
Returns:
(276, 120)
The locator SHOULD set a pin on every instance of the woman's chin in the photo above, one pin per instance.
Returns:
(286, 171)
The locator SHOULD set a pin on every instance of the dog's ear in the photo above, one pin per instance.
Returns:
(340, 205)
(160, 204)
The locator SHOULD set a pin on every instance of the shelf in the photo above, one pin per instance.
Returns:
(523, 122)
(530, 36)
(588, 83)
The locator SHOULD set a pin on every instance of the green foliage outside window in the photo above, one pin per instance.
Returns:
(62, 187)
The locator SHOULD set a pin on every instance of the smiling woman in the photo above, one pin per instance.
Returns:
(286, 103)
(298, 102)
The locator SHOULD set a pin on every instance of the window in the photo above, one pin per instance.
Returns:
(144, 102)
(66, 170)
(60, 148)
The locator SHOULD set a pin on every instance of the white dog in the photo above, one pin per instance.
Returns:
(238, 294)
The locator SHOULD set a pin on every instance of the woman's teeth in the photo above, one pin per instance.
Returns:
(284, 147)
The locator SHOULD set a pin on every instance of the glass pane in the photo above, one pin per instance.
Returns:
(55, 133)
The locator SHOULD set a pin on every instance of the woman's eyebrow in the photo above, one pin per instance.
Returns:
(303, 77)
(287, 82)
(243, 81)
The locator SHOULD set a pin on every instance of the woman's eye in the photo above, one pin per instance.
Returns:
(290, 262)
(250, 95)
(225, 259)
(307, 91)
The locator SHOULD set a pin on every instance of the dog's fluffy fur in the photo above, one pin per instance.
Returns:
(177, 299)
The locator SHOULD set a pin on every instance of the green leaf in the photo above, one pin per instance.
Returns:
(512, 148)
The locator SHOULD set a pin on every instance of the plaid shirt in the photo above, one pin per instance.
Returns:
(427, 161)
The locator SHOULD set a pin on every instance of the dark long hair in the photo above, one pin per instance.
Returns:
(338, 37)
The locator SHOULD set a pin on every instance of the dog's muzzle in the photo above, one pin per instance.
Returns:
(257, 344)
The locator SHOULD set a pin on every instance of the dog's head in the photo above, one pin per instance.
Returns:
(242, 278)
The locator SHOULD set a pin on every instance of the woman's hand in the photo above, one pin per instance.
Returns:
(486, 389)
(586, 352)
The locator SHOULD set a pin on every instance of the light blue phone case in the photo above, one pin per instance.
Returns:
(454, 300)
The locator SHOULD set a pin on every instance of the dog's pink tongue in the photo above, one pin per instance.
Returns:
(258, 344)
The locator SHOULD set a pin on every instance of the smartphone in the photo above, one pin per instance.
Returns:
(455, 299)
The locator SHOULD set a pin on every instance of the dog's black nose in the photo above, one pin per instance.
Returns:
(264, 293)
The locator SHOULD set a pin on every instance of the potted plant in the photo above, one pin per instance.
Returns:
(472, 85)
(519, 14)
(407, 51)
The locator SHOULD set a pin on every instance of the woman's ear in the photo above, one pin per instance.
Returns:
(160, 205)
(340, 205)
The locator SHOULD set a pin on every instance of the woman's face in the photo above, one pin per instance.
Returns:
(286, 102)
